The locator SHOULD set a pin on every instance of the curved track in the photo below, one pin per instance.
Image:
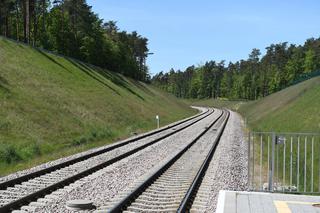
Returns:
(172, 187)
(22, 190)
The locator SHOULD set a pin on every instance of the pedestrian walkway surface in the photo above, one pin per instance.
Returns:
(255, 202)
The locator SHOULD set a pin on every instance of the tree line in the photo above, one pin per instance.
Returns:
(255, 77)
(71, 28)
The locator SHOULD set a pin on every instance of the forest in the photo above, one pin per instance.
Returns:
(255, 77)
(71, 28)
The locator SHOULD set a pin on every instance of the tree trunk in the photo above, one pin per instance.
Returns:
(24, 21)
(35, 24)
(43, 16)
(6, 26)
(35, 30)
(62, 31)
(27, 22)
(17, 20)
(0, 20)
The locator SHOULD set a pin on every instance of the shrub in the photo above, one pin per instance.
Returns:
(8, 153)
(80, 141)
(30, 150)
(94, 135)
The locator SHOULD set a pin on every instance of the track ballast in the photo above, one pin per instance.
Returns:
(172, 187)
(25, 189)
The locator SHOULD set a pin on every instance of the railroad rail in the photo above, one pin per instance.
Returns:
(173, 186)
(17, 192)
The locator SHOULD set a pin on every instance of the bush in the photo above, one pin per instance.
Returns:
(30, 150)
(105, 133)
(8, 153)
(94, 135)
(80, 141)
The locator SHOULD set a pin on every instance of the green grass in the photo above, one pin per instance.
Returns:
(294, 109)
(51, 107)
(280, 150)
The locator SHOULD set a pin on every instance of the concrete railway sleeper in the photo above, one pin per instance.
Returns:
(18, 192)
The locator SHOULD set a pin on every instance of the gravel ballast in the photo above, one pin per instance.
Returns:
(164, 194)
(103, 185)
(228, 167)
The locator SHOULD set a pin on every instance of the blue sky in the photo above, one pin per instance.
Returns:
(186, 32)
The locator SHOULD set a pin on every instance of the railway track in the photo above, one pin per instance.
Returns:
(173, 186)
(23, 190)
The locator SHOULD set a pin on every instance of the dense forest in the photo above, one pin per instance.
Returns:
(255, 77)
(70, 28)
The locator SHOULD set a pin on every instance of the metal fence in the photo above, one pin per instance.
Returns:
(284, 162)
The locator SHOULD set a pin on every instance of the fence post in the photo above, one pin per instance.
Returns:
(261, 153)
(249, 179)
(271, 169)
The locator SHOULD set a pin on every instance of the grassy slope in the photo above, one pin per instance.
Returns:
(50, 105)
(294, 109)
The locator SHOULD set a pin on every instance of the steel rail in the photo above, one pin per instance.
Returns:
(192, 191)
(126, 201)
(40, 193)
(40, 172)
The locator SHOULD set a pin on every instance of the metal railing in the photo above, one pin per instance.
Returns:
(284, 162)
(304, 77)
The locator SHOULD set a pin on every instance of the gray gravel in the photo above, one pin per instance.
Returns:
(166, 193)
(25, 188)
(228, 168)
(103, 185)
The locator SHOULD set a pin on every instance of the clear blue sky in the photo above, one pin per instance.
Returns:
(186, 32)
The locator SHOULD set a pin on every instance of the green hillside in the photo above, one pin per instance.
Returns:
(53, 106)
(294, 109)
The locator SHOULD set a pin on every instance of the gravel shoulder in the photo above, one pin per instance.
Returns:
(228, 168)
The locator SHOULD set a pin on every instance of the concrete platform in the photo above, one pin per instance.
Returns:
(256, 202)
